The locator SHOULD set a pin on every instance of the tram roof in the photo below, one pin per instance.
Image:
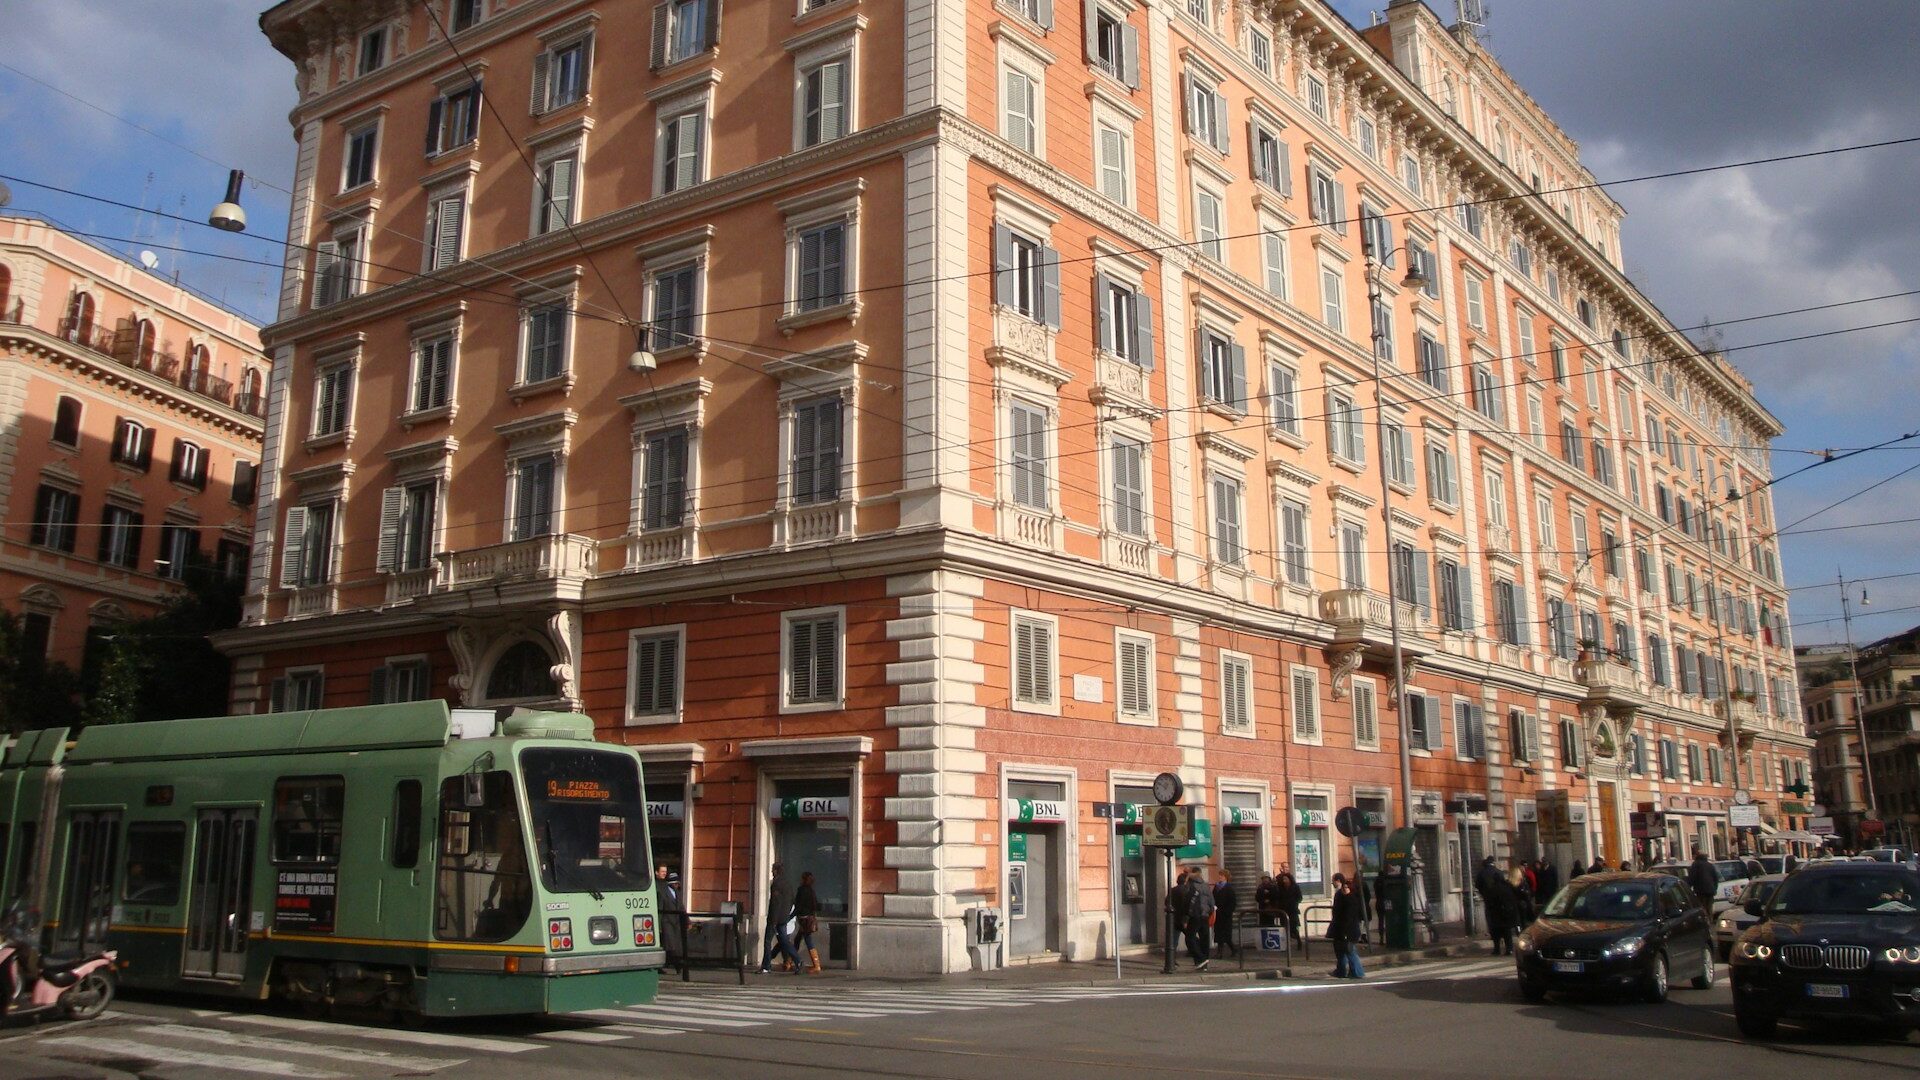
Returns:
(368, 727)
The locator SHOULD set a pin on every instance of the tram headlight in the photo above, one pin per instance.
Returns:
(560, 935)
(643, 930)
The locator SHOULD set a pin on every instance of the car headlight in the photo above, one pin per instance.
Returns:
(1626, 946)
(1525, 943)
(1756, 951)
(1724, 924)
(1908, 955)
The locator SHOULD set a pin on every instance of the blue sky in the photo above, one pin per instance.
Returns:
(1644, 86)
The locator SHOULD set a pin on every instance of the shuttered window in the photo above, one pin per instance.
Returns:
(1283, 396)
(683, 29)
(813, 659)
(56, 513)
(432, 373)
(674, 302)
(1133, 666)
(560, 74)
(1228, 545)
(546, 343)
(1033, 661)
(1470, 730)
(663, 497)
(453, 119)
(533, 501)
(332, 400)
(821, 270)
(1127, 460)
(1026, 275)
(815, 476)
(1113, 45)
(1029, 457)
(1306, 705)
(1366, 716)
(1020, 108)
(397, 681)
(824, 110)
(1124, 317)
(1223, 370)
(446, 221)
(120, 537)
(1236, 694)
(681, 139)
(1293, 542)
(655, 677)
(1113, 163)
(556, 192)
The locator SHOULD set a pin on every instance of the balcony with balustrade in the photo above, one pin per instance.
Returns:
(1610, 683)
(128, 348)
(1362, 618)
(556, 567)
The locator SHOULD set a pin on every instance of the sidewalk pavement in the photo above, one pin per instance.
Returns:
(1136, 968)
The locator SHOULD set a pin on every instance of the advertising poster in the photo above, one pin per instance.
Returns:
(1306, 860)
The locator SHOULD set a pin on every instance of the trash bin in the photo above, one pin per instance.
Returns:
(1396, 892)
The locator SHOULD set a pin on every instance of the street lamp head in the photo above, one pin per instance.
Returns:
(1414, 279)
(228, 215)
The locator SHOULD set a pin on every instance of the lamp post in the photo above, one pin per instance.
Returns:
(1859, 703)
(1376, 263)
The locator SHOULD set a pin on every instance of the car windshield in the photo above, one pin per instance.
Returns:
(1731, 870)
(1774, 864)
(1761, 891)
(1613, 901)
(1888, 892)
(589, 823)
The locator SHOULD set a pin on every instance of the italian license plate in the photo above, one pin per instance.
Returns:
(1826, 990)
(1568, 967)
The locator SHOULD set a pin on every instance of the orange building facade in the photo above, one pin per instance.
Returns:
(131, 412)
(1007, 432)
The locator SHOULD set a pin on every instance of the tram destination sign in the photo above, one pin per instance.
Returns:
(578, 790)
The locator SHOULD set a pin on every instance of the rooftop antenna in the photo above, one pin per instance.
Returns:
(1471, 16)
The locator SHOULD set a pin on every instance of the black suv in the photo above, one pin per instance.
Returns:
(1617, 932)
(1836, 941)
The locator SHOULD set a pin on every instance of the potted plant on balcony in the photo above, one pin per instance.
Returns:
(1589, 649)
(1742, 695)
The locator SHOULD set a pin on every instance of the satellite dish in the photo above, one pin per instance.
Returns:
(149, 260)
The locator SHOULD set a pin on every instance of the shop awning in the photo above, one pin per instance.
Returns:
(1796, 836)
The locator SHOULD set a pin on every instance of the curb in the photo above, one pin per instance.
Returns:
(22, 1067)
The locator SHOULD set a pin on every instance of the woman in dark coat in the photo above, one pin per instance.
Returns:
(1503, 912)
(1344, 924)
(806, 919)
(1287, 894)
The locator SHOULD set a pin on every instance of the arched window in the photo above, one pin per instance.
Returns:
(250, 382)
(6, 294)
(143, 343)
(198, 364)
(79, 318)
(523, 671)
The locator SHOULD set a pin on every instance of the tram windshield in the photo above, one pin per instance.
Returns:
(589, 821)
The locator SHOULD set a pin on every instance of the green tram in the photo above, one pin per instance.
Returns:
(399, 857)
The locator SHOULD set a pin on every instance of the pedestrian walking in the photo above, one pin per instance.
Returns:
(1599, 867)
(1266, 900)
(1177, 899)
(806, 918)
(776, 939)
(666, 888)
(1703, 880)
(1288, 893)
(1503, 911)
(1343, 929)
(1226, 901)
(1200, 912)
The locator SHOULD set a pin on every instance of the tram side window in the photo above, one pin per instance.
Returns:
(306, 819)
(23, 861)
(155, 855)
(484, 892)
(406, 824)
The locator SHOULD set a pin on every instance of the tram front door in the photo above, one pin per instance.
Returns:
(218, 909)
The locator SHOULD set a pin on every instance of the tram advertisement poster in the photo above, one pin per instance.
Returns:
(305, 900)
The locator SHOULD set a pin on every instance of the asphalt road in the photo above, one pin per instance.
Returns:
(1453, 1019)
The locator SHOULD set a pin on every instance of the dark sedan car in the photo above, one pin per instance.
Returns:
(1617, 932)
(1836, 941)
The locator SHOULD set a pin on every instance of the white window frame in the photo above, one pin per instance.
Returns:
(839, 701)
(1142, 442)
(1476, 300)
(804, 214)
(1048, 412)
(1211, 242)
(1242, 663)
(435, 215)
(1333, 300)
(374, 127)
(1121, 639)
(1275, 275)
(1017, 57)
(348, 368)
(678, 632)
(1296, 674)
(836, 42)
(1364, 693)
(1216, 519)
(416, 370)
(579, 32)
(1050, 704)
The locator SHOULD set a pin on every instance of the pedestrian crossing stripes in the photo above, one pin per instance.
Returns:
(210, 1043)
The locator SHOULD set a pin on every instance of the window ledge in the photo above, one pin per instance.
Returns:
(1287, 438)
(316, 443)
(452, 152)
(1402, 487)
(821, 11)
(559, 384)
(1351, 466)
(581, 104)
(189, 488)
(1222, 409)
(131, 469)
(411, 420)
(1444, 507)
(1036, 708)
(797, 320)
(653, 720)
(687, 63)
(695, 351)
(790, 708)
(1019, 19)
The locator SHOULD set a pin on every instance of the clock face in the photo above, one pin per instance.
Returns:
(1167, 788)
